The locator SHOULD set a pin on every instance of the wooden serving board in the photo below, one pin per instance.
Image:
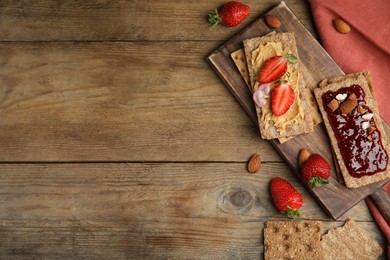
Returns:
(316, 65)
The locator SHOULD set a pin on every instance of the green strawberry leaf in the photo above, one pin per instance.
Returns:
(317, 181)
(293, 213)
(291, 59)
(214, 18)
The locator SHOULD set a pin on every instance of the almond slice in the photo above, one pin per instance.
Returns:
(371, 129)
(368, 116)
(333, 105)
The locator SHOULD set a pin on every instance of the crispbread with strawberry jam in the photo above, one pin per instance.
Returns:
(279, 118)
(353, 123)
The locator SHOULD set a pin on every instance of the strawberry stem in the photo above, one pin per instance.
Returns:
(291, 59)
(292, 213)
(317, 181)
(214, 18)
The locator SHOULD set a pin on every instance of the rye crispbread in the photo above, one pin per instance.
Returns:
(292, 240)
(362, 79)
(349, 242)
(267, 126)
(240, 61)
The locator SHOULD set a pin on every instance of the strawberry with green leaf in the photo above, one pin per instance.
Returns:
(315, 171)
(286, 198)
(231, 14)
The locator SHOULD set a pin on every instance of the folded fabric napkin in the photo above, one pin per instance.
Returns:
(366, 47)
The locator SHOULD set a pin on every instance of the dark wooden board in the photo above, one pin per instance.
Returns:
(316, 63)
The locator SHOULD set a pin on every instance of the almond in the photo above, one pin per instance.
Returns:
(360, 109)
(254, 163)
(371, 129)
(368, 116)
(369, 137)
(341, 97)
(304, 154)
(333, 105)
(273, 21)
(352, 97)
(341, 26)
(347, 106)
(365, 125)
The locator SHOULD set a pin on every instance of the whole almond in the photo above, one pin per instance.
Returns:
(333, 105)
(254, 163)
(273, 21)
(347, 106)
(304, 154)
(341, 26)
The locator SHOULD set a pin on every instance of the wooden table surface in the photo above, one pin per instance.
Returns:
(119, 141)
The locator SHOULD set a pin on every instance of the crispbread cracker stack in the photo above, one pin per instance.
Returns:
(362, 79)
(268, 128)
(349, 242)
(292, 240)
(240, 61)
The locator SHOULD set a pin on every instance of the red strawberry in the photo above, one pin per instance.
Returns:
(286, 198)
(275, 67)
(315, 171)
(282, 97)
(231, 14)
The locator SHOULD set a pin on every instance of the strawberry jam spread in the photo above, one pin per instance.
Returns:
(358, 139)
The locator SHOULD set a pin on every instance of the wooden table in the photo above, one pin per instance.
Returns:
(119, 141)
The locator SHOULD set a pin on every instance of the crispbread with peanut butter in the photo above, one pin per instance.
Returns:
(362, 150)
(297, 120)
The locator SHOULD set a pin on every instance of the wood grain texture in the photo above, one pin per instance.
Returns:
(144, 210)
(125, 84)
(317, 65)
(119, 102)
(105, 20)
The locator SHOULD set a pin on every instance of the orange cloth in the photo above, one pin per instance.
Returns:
(366, 47)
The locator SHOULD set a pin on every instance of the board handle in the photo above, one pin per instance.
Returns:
(382, 201)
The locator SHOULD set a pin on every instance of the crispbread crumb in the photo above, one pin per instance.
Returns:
(292, 240)
(349, 242)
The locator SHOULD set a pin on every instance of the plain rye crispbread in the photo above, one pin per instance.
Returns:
(267, 127)
(240, 61)
(292, 240)
(362, 79)
(349, 242)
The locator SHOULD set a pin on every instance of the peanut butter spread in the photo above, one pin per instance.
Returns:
(295, 114)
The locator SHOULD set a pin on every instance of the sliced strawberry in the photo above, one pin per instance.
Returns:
(275, 67)
(282, 97)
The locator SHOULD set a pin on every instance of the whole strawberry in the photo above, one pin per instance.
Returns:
(315, 171)
(286, 198)
(231, 14)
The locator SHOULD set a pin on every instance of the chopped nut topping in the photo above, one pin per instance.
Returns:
(365, 125)
(371, 129)
(368, 116)
(369, 137)
(341, 97)
(360, 109)
(333, 105)
(352, 97)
